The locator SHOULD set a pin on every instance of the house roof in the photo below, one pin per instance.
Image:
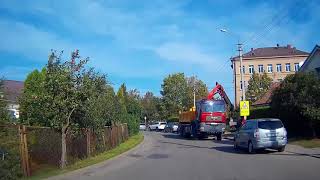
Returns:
(304, 67)
(12, 90)
(277, 51)
(266, 98)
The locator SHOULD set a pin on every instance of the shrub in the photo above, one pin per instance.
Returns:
(10, 167)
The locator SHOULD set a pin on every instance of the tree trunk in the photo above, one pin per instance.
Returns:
(63, 148)
(64, 129)
(314, 134)
(313, 131)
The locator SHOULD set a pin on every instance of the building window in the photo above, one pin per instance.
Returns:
(260, 68)
(296, 67)
(288, 68)
(269, 68)
(243, 69)
(279, 68)
(242, 85)
(251, 69)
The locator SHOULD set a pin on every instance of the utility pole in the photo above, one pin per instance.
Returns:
(194, 92)
(241, 72)
(241, 75)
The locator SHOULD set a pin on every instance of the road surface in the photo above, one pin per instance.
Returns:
(168, 157)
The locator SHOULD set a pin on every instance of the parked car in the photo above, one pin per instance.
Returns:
(158, 126)
(171, 127)
(142, 126)
(153, 126)
(261, 134)
(161, 126)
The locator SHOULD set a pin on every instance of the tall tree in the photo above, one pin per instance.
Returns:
(129, 108)
(175, 93)
(150, 105)
(63, 94)
(31, 101)
(258, 85)
(297, 103)
(3, 105)
(122, 96)
(197, 86)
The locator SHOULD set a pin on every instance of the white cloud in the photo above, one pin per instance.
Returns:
(28, 41)
(185, 53)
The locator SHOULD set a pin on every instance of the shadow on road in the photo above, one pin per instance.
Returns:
(177, 136)
(186, 145)
(172, 136)
(226, 145)
(224, 141)
(230, 149)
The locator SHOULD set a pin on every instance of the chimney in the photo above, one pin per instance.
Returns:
(293, 49)
(252, 52)
(289, 46)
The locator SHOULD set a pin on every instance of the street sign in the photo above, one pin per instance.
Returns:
(244, 108)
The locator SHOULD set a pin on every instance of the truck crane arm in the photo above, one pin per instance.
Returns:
(220, 90)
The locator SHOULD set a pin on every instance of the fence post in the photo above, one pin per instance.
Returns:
(24, 151)
(88, 134)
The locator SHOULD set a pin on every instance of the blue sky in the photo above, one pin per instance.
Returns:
(140, 42)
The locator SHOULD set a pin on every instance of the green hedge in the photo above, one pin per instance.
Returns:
(10, 167)
(173, 119)
(261, 112)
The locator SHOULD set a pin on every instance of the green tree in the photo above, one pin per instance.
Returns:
(129, 108)
(3, 105)
(32, 101)
(63, 94)
(67, 95)
(175, 93)
(258, 85)
(297, 103)
(150, 105)
(122, 98)
(200, 88)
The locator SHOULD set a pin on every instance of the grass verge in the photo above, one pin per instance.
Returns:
(307, 143)
(123, 147)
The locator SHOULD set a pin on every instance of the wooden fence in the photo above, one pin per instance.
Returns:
(42, 145)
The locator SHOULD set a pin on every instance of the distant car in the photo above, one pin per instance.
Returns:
(171, 127)
(261, 134)
(158, 126)
(142, 126)
(161, 126)
(153, 126)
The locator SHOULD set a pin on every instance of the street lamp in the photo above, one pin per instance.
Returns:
(241, 68)
(145, 121)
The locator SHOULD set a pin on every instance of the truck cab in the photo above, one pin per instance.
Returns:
(211, 117)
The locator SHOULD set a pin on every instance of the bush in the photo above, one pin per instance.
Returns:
(296, 102)
(133, 122)
(173, 119)
(261, 112)
(10, 167)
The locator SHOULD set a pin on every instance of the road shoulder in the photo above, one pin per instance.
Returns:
(130, 145)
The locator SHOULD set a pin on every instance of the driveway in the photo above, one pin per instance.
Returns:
(167, 156)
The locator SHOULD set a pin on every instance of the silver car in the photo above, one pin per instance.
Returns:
(261, 134)
(142, 127)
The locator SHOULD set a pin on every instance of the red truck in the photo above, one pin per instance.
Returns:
(209, 117)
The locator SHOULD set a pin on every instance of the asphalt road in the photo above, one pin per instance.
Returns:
(167, 156)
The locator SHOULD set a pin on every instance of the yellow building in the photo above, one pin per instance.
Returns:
(277, 62)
